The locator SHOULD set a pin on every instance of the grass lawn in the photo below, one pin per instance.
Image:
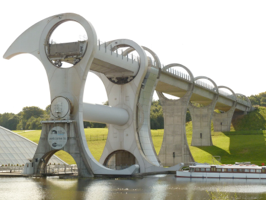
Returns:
(232, 146)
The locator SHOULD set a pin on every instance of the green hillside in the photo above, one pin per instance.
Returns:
(245, 141)
(255, 120)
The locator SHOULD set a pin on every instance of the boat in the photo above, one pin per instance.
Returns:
(238, 170)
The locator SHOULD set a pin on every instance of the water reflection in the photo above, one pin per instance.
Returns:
(151, 187)
(20, 188)
(99, 190)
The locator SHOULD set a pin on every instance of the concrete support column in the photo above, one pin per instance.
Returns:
(222, 121)
(201, 120)
(45, 151)
(174, 147)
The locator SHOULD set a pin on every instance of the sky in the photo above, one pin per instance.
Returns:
(223, 40)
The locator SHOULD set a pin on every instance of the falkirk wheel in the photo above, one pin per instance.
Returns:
(129, 91)
(130, 83)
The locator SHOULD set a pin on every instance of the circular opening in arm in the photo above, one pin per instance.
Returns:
(66, 44)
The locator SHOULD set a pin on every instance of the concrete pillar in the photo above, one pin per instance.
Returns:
(174, 147)
(222, 121)
(201, 120)
(45, 150)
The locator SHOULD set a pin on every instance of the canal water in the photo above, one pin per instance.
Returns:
(151, 187)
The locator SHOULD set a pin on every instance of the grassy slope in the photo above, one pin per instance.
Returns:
(246, 142)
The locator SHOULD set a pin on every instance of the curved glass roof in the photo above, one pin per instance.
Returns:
(15, 149)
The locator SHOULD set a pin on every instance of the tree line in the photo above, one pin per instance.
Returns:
(30, 117)
(258, 99)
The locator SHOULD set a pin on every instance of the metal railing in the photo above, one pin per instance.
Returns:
(231, 96)
(133, 58)
(177, 73)
(117, 53)
(60, 169)
(205, 85)
(9, 168)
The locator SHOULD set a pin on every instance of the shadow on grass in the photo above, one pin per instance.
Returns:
(243, 146)
(215, 151)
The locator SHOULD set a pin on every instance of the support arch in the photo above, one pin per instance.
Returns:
(174, 147)
(156, 58)
(120, 159)
(133, 46)
(128, 89)
(44, 162)
(222, 121)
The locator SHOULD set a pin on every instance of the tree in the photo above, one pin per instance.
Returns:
(9, 120)
(258, 99)
(32, 111)
(156, 115)
(48, 109)
(33, 124)
(254, 99)
(12, 122)
(263, 101)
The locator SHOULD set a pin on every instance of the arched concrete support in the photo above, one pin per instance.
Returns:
(201, 119)
(144, 104)
(222, 121)
(45, 151)
(174, 147)
(134, 96)
(66, 84)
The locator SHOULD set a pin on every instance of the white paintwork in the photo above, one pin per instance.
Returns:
(105, 114)
(224, 175)
(186, 174)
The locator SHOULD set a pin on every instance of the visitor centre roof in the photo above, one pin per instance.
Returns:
(15, 149)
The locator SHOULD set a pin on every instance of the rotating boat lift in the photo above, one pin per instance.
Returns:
(129, 90)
